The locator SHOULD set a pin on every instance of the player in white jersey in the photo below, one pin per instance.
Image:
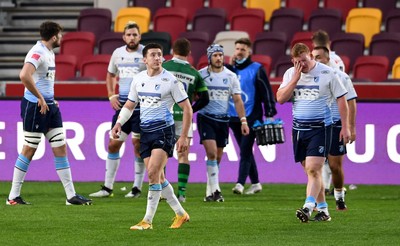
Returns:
(41, 115)
(157, 90)
(338, 149)
(126, 62)
(312, 86)
(213, 119)
(321, 38)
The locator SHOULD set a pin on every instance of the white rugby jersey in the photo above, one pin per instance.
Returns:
(314, 93)
(335, 61)
(44, 61)
(348, 84)
(156, 95)
(220, 88)
(126, 64)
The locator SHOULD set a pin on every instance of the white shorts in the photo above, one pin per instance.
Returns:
(178, 129)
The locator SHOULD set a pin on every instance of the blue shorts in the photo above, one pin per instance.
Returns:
(159, 139)
(132, 125)
(214, 129)
(34, 121)
(313, 142)
(337, 147)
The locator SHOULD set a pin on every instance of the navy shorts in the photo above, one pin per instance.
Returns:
(214, 129)
(337, 147)
(132, 125)
(159, 139)
(314, 142)
(34, 121)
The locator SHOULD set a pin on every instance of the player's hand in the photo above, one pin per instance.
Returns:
(116, 131)
(182, 144)
(115, 104)
(352, 134)
(344, 135)
(43, 105)
(298, 67)
(245, 129)
(56, 103)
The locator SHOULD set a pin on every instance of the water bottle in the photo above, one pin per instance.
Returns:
(279, 132)
(269, 132)
(260, 133)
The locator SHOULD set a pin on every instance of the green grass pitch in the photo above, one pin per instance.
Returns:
(267, 218)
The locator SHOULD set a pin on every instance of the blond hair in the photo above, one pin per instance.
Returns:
(298, 49)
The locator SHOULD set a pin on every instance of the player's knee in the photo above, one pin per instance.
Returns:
(32, 139)
(56, 137)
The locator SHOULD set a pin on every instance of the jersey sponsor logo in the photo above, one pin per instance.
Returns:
(36, 57)
(218, 93)
(306, 93)
(149, 100)
(128, 71)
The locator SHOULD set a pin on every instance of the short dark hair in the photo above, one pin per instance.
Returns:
(181, 47)
(130, 25)
(244, 41)
(151, 46)
(320, 38)
(49, 29)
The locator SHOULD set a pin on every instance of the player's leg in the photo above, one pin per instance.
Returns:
(242, 175)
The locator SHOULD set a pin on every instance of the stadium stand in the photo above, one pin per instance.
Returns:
(109, 41)
(163, 38)
(78, 44)
(190, 6)
(153, 5)
(392, 21)
(384, 5)
(282, 64)
(210, 20)
(307, 6)
(228, 6)
(227, 40)
(66, 67)
(267, 5)
(396, 69)
(263, 60)
(272, 44)
(95, 20)
(199, 42)
(287, 20)
(343, 5)
(248, 20)
(374, 68)
(171, 20)
(95, 66)
(348, 44)
(329, 20)
(302, 37)
(386, 44)
(140, 15)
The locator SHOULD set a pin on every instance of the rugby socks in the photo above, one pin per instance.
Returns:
(112, 164)
(309, 203)
(323, 207)
(339, 194)
(213, 173)
(326, 175)
(64, 173)
(168, 193)
(139, 173)
(20, 169)
(183, 177)
(208, 187)
(153, 198)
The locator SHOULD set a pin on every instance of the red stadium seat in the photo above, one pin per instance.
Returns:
(343, 5)
(228, 6)
(191, 6)
(95, 66)
(210, 20)
(264, 60)
(171, 20)
(109, 41)
(78, 44)
(95, 20)
(287, 20)
(199, 41)
(153, 5)
(374, 68)
(348, 44)
(302, 37)
(248, 20)
(386, 44)
(66, 67)
(272, 44)
(329, 20)
(306, 5)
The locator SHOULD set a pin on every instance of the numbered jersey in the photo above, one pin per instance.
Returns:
(314, 93)
(221, 86)
(126, 65)
(44, 61)
(156, 95)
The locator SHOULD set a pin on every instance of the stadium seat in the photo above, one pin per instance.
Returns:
(287, 20)
(366, 21)
(228, 6)
(392, 21)
(153, 5)
(203, 61)
(95, 20)
(343, 5)
(66, 67)
(272, 44)
(348, 44)
(329, 20)
(227, 40)
(172, 20)
(140, 15)
(374, 68)
(210, 20)
(306, 5)
(384, 5)
(78, 44)
(385, 44)
(396, 69)
(267, 5)
(346, 62)
(282, 64)
(302, 37)
(199, 41)
(163, 38)
(109, 41)
(248, 20)
(263, 60)
(95, 66)
(190, 6)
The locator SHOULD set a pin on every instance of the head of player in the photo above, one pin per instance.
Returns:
(215, 55)
(321, 54)
(301, 55)
(242, 50)
(51, 33)
(321, 38)
(152, 57)
(181, 47)
(131, 36)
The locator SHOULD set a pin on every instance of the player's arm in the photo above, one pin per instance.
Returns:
(124, 115)
(202, 101)
(264, 91)
(26, 76)
(111, 83)
(352, 104)
(239, 106)
(344, 117)
(182, 143)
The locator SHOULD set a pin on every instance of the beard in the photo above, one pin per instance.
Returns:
(132, 46)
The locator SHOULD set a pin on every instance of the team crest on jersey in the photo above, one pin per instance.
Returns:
(136, 60)
(321, 149)
(142, 84)
(157, 87)
(225, 81)
(316, 79)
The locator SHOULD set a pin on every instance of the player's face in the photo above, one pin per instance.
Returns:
(132, 38)
(57, 40)
(153, 59)
(241, 51)
(320, 56)
(217, 60)
(305, 61)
